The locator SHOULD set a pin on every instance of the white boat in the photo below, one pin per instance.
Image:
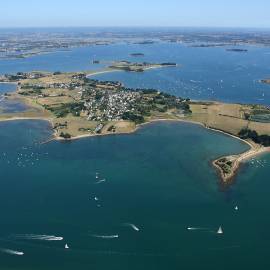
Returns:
(236, 208)
(220, 231)
(66, 246)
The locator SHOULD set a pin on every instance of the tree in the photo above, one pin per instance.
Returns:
(65, 135)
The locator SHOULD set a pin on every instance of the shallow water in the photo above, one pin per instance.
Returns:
(10, 106)
(7, 87)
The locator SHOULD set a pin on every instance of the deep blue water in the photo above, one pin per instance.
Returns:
(203, 73)
(159, 178)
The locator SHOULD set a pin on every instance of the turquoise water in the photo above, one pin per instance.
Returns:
(159, 179)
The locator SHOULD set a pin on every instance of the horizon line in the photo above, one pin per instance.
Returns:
(140, 26)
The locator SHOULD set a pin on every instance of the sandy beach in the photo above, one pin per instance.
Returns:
(102, 72)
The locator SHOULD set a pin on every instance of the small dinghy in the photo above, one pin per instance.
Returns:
(66, 246)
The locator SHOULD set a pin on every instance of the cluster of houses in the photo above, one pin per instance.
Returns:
(22, 76)
(107, 105)
(70, 85)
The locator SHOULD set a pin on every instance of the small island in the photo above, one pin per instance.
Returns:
(137, 54)
(78, 106)
(237, 50)
(138, 67)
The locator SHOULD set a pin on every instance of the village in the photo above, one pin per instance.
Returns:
(74, 99)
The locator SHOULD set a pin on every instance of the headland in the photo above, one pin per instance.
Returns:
(78, 106)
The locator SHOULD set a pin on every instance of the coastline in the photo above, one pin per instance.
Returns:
(102, 72)
(253, 151)
(9, 83)
(211, 115)
(239, 159)
(119, 70)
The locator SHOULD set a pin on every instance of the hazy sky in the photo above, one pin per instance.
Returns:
(231, 13)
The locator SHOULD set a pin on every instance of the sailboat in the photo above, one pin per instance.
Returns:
(66, 246)
(220, 231)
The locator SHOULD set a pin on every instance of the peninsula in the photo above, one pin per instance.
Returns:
(78, 106)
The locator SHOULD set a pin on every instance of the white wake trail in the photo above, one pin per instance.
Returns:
(12, 252)
(198, 229)
(133, 226)
(105, 236)
(100, 181)
(39, 237)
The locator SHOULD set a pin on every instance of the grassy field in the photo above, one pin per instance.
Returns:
(78, 126)
(230, 118)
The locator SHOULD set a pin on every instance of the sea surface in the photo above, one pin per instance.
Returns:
(159, 179)
(10, 106)
(202, 73)
(127, 201)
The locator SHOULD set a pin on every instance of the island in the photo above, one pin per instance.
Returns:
(138, 67)
(137, 54)
(78, 106)
(237, 50)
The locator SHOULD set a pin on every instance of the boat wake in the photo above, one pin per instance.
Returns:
(193, 81)
(197, 229)
(100, 181)
(134, 227)
(38, 237)
(208, 230)
(12, 252)
(105, 236)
